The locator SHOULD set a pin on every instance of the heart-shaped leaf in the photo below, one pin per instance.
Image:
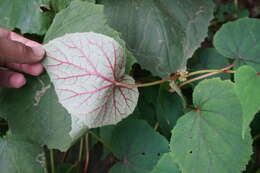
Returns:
(207, 138)
(240, 40)
(87, 70)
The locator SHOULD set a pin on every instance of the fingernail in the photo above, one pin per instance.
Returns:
(17, 80)
(38, 51)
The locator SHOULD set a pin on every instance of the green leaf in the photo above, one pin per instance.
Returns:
(79, 17)
(240, 40)
(25, 15)
(146, 107)
(169, 108)
(163, 34)
(166, 165)
(18, 156)
(248, 90)
(208, 58)
(58, 5)
(35, 113)
(208, 139)
(137, 146)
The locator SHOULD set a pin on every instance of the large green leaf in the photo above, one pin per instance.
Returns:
(248, 91)
(163, 34)
(25, 15)
(208, 139)
(137, 146)
(19, 156)
(35, 113)
(240, 40)
(84, 17)
(166, 165)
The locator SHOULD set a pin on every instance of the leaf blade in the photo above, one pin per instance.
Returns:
(89, 88)
(162, 34)
(206, 139)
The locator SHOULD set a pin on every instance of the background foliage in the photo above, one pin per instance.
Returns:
(210, 126)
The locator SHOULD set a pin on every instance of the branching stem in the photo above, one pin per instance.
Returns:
(209, 72)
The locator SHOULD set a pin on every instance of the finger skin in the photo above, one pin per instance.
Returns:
(11, 79)
(21, 54)
(32, 69)
(16, 52)
(4, 33)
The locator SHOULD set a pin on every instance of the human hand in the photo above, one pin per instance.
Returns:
(20, 54)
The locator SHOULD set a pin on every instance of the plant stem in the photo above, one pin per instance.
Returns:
(147, 84)
(80, 149)
(207, 75)
(156, 126)
(52, 161)
(100, 140)
(87, 154)
(210, 73)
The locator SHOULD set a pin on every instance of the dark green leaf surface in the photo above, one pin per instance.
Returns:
(137, 146)
(19, 156)
(146, 107)
(166, 165)
(240, 40)
(163, 34)
(208, 59)
(209, 138)
(35, 113)
(84, 17)
(58, 5)
(169, 108)
(248, 91)
(25, 15)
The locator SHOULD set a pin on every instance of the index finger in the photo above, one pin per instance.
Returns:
(4, 33)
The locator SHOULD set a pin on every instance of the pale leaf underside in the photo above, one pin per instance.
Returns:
(86, 69)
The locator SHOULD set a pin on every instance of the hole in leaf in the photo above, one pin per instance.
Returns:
(45, 8)
(190, 152)
(143, 153)
(158, 154)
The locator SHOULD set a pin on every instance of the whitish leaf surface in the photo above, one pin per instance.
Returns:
(207, 138)
(166, 165)
(248, 91)
(87, 70)
(163, 34)
(240, 40)
(20, 156)
(25, 15)
(136, 155)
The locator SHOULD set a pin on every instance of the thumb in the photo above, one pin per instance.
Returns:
(16, 52)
